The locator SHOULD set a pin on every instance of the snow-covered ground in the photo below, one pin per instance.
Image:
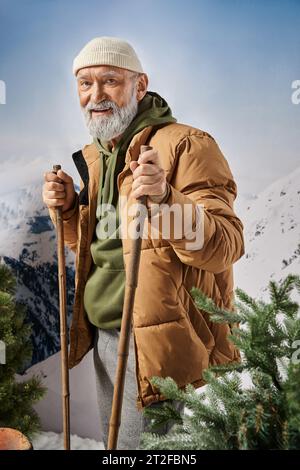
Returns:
(84, 416)
(54, 441)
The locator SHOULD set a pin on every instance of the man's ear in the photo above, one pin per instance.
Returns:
(142, 85)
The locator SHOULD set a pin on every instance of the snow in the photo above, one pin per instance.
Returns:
(28, 247)
(25, 223)
(272, 237)
(84, 417)
(54, 441)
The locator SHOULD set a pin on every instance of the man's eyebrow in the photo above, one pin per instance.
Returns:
(83, 76)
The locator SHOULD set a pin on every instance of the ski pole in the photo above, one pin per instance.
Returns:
(63, 322)
(123, 346)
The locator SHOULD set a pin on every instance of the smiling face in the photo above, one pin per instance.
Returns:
(109, 98)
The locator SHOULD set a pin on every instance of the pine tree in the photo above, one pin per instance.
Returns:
(230, 414)
(16, 399)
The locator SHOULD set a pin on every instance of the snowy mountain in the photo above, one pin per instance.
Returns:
(28, 246)
(272, 236)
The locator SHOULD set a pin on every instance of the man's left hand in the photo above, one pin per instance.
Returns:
(149, 178)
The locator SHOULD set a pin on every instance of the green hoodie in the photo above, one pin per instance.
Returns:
(105, 287)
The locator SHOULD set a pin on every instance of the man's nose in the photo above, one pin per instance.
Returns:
(97, 93)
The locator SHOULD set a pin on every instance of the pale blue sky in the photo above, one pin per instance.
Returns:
(224, 66)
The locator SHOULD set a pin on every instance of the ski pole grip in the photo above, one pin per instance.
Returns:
(145, 147)
(143, 199)
(56, 168)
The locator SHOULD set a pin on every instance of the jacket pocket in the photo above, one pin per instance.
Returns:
(196, 319)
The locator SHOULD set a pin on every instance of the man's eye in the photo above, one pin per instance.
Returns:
(85, 84)
(111, 80)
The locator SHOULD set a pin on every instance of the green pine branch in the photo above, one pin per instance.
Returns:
(16, 398)
(229, 415)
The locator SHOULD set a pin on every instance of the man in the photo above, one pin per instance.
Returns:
(185, 170)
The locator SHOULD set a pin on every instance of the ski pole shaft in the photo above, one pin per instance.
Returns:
(63, 322)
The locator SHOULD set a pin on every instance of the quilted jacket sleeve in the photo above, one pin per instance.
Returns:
(212, 238)
(70, 221)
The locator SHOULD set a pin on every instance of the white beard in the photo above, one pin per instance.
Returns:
(109, 127)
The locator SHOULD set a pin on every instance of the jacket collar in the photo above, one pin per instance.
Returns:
(91, 152)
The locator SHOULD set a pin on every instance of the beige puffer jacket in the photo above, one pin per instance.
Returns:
(172, 336)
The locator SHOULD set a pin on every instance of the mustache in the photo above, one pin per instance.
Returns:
(100, 106)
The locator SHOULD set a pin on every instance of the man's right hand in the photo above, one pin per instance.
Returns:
(58, 190)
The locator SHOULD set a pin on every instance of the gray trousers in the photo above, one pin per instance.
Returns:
(133, 422)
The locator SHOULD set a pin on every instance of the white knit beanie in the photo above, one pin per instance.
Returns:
(107, 50)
